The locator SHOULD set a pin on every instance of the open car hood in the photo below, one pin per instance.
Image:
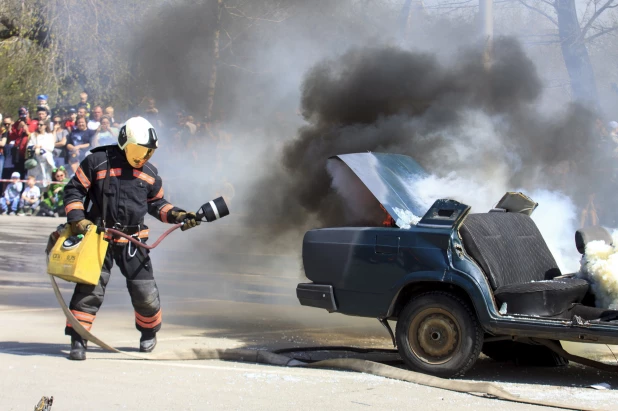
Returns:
(390, 178)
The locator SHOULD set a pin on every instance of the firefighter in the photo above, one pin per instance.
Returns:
(134, 189)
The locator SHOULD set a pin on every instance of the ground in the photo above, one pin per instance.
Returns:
(215, 295)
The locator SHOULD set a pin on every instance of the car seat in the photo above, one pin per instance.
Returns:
(510, 250)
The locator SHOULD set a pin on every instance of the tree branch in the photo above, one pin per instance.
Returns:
(38, 33)
(607, 5)
(239, 13)
(541, 12)
(11, 28)
(550, 3)
(600, 33)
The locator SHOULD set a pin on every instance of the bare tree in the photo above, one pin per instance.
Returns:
(574, 35)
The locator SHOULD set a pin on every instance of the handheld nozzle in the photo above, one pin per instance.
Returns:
(213, 210)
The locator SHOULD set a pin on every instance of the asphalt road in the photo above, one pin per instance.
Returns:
(221, 286)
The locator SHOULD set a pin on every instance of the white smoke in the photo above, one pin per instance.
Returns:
(556, 218)
(479, 142)
(600, 267)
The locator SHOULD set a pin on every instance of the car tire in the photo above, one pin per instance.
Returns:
(438, 333)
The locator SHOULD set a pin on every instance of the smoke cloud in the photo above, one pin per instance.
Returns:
(463, 123)
(323, 84)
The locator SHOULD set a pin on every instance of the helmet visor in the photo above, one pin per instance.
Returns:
(138, 155)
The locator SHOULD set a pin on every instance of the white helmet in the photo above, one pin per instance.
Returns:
(139, 140)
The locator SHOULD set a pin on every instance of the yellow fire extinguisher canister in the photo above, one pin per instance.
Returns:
(79, 263)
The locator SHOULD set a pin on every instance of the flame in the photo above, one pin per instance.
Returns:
(388, 220)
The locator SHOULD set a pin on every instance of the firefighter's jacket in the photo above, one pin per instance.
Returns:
(133, 192)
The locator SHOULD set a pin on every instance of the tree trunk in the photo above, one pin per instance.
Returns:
(575, 53)
(412, 13)
(212, 84)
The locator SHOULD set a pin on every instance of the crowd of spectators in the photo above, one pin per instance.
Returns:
(45, 151)
(48, 148)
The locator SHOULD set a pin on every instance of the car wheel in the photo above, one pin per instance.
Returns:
(438, 334)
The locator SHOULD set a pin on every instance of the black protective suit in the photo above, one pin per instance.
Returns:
(132, 193)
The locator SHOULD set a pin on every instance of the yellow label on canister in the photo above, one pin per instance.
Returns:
(82, 263)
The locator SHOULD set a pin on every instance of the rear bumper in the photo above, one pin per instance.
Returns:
(317, 295)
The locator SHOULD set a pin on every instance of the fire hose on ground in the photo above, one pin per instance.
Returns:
(344, 364)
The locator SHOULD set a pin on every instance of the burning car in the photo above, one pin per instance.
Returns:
(456, 282)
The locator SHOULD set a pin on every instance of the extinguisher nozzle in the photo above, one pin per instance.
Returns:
(213, 210)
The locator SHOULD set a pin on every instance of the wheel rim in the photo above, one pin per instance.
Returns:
(434, 336)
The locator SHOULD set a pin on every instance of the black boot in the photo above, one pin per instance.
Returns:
(148, 341)
(78, 349)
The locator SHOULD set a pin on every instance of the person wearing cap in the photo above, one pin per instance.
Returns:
(9, 203)
(69, 124)
(136, 189)
(42, 102)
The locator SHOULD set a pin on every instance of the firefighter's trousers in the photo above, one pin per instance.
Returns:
(135, 265)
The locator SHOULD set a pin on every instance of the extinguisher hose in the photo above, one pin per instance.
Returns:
(137, 242)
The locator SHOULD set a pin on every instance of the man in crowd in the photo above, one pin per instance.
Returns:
(95, 119)
(82, 112)
(138, 190)
(9, 203)
(4, 138)
(7, 149)
(152, 113)
(78, 143)
(18, 138)
(30, 198)
(42, 114)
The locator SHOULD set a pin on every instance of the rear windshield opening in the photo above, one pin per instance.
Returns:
(445, 213)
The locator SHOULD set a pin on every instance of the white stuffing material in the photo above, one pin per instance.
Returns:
(599, 266)
(405, 218)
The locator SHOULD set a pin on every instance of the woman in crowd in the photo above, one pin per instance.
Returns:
(60, 133)
(52, 204)
(106, 134)
(79, 143)
(41, 146)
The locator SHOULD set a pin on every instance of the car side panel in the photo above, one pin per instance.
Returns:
(366, 265)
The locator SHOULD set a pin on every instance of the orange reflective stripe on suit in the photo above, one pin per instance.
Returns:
(84, 319)
(148, 322)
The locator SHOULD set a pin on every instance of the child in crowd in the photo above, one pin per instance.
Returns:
(109, 112)
(9, 203)
(52, 204)
(83, 103)
(30, 198)
(42, 102)
(69, 124)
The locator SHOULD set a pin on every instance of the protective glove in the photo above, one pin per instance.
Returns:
(81, 226)
(189, 219)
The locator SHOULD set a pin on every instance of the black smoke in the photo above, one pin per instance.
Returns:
(387, 99)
